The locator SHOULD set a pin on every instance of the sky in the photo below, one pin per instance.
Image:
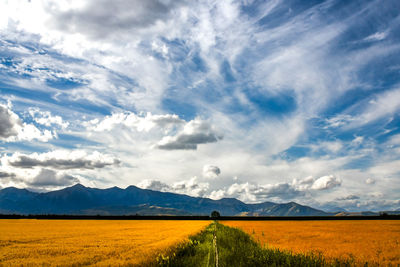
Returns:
(257, 100)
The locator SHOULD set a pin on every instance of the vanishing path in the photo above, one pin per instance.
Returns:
(233, 247)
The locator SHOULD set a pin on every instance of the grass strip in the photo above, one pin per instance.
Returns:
(235, 248)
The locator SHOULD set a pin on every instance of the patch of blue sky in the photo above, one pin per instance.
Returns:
(80, 105)
(180, 107)
(32, 95)
(24, 147)
(7, 61)
(65, 83)
(389, 128)
(362, 28)
(295, 152)
(226, 72)
(349, 102)
(361, 163)
(382, 73)
(178, 50)
(42, 49)
(276, 105)
(197, 63)
(285, 12)
(68, 141)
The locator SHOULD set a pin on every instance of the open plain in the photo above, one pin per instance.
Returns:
(375, 242)
(89, 242)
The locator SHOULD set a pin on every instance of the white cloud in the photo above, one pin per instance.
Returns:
(138, 123)
(12, 129)
(298, 188)
(194, 133)
(211, 172)
(46, 118)
(154, 185)
(60, 159)
(382, 105)
(9, 123)
(370, 181)
(121, 59)
(326, 182)
(50, 178)
(378, 36)
(191, 187)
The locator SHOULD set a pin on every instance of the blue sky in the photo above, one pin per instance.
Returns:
(258, 100)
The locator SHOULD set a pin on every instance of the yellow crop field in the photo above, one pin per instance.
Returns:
(82, 242)
(377, 242)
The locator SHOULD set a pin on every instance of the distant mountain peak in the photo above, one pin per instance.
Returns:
(78, 185)
(79, 200)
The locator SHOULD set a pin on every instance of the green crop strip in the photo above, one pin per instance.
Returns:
(235, 248)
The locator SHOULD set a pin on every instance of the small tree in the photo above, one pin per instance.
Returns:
(215, 214)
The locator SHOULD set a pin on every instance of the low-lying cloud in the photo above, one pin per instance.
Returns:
(191, 187)
(194, 133)
(52, 178)
(211, 172)
(61, 159)
(251, 192)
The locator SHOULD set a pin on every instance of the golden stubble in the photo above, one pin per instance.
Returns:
(377, 242)
(93, 242)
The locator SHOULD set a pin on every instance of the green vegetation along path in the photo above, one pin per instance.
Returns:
(223, 246)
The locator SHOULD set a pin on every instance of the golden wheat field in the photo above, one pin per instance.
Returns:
(377, 242)
(82, 242)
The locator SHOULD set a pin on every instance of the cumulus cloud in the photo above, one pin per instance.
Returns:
(52, 178)
(61, 159)
(13, 129)
(194, 133)
(252, 192)
(9, 122)
(191, 187)
(211, 172)
(326, 182)
(321, 183)
(46, 118)
(370, 181)
(154, 185)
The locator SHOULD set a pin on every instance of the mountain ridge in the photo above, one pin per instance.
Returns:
(81, 200)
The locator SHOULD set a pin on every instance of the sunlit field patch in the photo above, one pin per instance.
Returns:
(80, 242)
(364, 241)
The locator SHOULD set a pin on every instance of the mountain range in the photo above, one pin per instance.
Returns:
(81, 200)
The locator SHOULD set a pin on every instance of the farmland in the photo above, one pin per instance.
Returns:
(364, 241)
(191, 243)
(80, 242)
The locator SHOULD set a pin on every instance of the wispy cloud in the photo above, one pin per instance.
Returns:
(264, 91)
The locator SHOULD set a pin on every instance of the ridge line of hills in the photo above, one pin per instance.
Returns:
(81, 200)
